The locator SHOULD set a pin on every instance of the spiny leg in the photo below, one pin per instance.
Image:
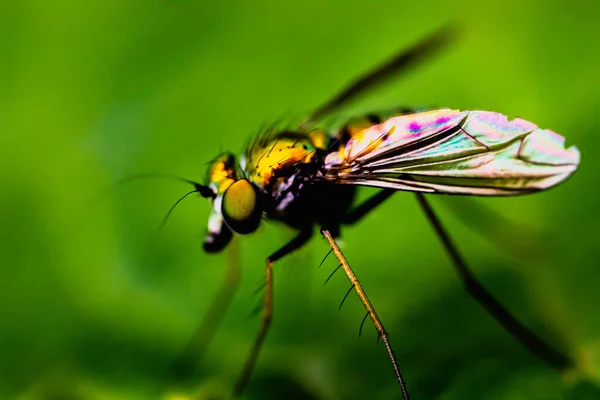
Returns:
(190, 358)
(244, 376)
(356, 215)
(530, 340)
(368, 306)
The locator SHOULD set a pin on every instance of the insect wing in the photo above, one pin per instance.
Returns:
(451, 151)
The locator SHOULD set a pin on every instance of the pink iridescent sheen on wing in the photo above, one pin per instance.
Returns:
(494, 129)
(448, 151)
(398, 131)
(546, 147)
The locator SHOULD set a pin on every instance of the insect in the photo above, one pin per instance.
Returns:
(307, 177)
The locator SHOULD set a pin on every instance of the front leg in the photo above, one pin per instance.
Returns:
(292, 245)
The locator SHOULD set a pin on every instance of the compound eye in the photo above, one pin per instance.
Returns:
(241, 207)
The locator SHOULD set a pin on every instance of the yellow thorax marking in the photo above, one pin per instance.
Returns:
(280, 154)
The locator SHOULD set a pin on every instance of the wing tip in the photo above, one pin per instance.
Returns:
(548, 147)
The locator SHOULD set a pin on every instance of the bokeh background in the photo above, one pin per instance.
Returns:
(95, 305)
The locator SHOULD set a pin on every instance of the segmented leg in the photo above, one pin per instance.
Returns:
(525, 336)
(369, 307)
(267, 316)
(400, 63)
(191, 357)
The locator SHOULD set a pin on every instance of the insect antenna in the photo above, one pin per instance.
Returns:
(164, 222)
(204, 190)
(168, 214)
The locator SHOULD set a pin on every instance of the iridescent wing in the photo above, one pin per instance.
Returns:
(458, 152)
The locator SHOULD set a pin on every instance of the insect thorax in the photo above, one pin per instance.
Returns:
(286, 167)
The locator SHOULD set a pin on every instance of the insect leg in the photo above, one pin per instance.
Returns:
(190, 358)
(368, 306)
(292, 245)
(400, 63)
(364, 208)
(530, 340)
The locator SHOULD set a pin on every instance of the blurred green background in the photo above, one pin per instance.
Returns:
(93, 306)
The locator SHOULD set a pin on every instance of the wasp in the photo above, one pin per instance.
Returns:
(307, 178)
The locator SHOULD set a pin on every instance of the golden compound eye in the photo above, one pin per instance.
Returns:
(241, 207)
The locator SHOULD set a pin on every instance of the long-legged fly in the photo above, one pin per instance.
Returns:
(307, 177)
